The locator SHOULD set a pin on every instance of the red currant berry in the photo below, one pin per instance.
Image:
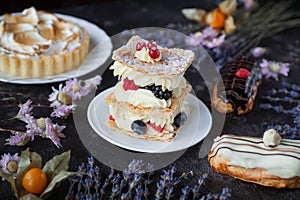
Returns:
(154, 53)
(140, 45)
(151, 44)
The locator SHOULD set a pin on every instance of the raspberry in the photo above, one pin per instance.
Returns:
(129, 85)
(157, 128)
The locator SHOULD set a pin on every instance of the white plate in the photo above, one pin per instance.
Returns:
(195, 129)
(99, 52)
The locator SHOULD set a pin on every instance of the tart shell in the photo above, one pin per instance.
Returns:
(45, 65)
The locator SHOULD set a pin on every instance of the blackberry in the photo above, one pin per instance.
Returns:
(180, 119)
(139, 127)
(158, 92)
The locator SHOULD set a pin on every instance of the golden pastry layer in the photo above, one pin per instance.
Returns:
(249, 159)
(38, 43)
(124, 114)
(173, 62)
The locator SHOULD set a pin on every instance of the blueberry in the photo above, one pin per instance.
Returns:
(158, 92)
(180, 119)
(139, 127)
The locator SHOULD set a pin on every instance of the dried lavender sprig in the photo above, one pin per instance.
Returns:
(286, 131)
(225, 194)
(89, 184)
(291, 86)
(196, 189)
(280, 99)
(262, 24)
(284, 91)
(185, 193)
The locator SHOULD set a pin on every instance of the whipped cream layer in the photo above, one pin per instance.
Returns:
(140, 97)
(124, 118)
(144, 79)
(37, 33)
(249, 152)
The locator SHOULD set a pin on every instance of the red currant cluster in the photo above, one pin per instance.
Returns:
(151, 45)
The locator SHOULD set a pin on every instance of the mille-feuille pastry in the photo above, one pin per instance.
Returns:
(149, 100)
(267, 161)
(38, 43)
(236, 92)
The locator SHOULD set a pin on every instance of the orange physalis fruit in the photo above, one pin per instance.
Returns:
(34, 181)
(218, 19)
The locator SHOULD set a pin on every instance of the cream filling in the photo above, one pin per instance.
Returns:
(124, 118)
(282, 161)
(34, 34)
(140, 97)
(143, 55)
(144, 79)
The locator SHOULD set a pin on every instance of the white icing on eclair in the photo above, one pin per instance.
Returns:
(250, 152)
(33, 34)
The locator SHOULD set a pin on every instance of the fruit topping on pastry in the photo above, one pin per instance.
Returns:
(180, 119)
(139, 127)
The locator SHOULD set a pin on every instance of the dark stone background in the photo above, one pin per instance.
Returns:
(114, 17)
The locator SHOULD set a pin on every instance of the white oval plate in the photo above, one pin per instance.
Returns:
(99, 51)
(194, 130)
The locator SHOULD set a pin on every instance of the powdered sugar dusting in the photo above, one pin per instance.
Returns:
(174, 61)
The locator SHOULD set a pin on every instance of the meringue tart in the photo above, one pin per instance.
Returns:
(38, 43)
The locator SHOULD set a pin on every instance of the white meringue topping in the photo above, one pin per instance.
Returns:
(34, 33)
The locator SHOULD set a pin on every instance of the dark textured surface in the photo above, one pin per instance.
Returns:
(115, 17)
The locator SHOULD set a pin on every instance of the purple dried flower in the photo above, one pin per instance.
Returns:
(63, 111)
(248, 4)
(53, 96)
(258, 52)
(92, 83)
(18, 139)
(33, 127)
(78, 88)
(25, 110)
(272, 69)
(218, 41)
(75, 89)
(206, 38)
(54, 132)
(9, 163)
